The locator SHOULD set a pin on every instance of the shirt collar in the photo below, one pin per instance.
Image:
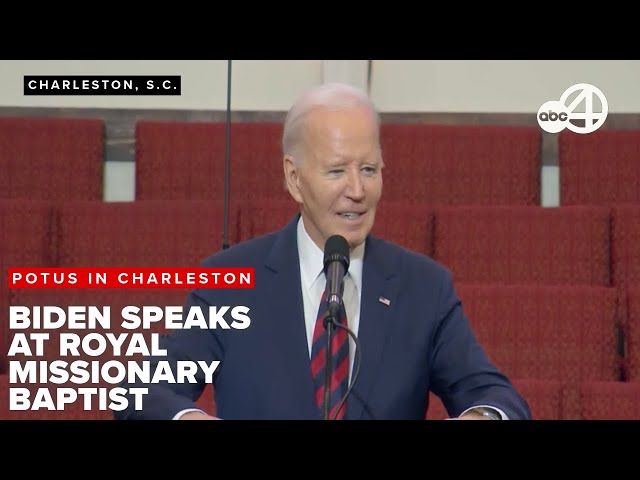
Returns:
(312, 258)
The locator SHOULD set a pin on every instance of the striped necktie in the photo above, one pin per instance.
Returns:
(339, 364)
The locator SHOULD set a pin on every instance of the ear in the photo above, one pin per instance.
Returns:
(291, 177)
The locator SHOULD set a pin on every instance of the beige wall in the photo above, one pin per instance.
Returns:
(501, 86)
(512, 86)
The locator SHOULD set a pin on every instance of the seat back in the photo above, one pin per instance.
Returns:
(55, 159)
(461, 164)
(564, 245)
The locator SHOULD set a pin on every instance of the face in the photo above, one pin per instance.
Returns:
(338, 182)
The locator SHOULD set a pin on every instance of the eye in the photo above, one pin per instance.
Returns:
(369, 170)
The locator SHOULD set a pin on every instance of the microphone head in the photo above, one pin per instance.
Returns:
(336, 248)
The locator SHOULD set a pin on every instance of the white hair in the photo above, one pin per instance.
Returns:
(332, 96)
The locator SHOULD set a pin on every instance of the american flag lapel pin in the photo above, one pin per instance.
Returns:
(384, 300)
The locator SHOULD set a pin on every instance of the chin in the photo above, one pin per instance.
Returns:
(354, 239)
(354, 235)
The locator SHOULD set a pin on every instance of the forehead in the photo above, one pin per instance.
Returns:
(351, 129)
(341, 124)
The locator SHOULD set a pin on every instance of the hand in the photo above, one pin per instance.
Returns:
(197, 416)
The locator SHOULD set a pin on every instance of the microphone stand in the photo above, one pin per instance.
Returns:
(329, 326)
(225, 240)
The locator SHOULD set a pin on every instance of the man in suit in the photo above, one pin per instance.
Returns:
(410, 326)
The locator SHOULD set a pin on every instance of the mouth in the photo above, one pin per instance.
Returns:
(351, 215)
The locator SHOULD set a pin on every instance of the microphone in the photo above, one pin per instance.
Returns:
(336, 265)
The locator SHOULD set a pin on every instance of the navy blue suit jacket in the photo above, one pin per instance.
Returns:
(421, 341)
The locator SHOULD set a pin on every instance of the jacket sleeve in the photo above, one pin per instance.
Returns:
(165, 398)
(461, 373)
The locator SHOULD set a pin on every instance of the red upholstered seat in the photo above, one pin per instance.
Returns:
(186, 160)
(565, 333)
(461, 164)
(521, 244)
(600, 168)
(55, 159)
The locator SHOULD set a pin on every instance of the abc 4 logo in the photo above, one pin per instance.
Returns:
(556, 115)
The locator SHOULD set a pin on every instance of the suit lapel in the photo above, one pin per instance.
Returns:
(289, 332)
(379, 291)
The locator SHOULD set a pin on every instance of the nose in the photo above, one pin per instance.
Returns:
(355, 185)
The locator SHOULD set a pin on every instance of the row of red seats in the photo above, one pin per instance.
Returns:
(516, 244)
(62, 159)
(425, 163)
(593, 245)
